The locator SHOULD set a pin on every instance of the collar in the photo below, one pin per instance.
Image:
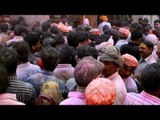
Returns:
(113, 76)
(76, 94)
(14, 77)
(8, 96)
(23, 65)
(146, 59)
(45, 72)
(80, 89)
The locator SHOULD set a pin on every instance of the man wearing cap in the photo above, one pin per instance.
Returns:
(104, 21)
(111, 59)
(126, 70)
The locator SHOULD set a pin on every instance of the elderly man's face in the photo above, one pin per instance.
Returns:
(109, 69)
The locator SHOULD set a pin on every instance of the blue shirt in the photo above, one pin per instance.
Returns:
(37, 80)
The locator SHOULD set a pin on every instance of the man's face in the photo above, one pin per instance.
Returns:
(144, 51)
(126, 71)
(157, 25)
(109, 69)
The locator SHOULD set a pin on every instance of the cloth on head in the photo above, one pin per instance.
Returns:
(51, 89)
(129, 60)
(152, 38)
(100, 91)
(103, 45)
(111, 54)
(104, 18)
(125, 32)
(63, 28)
(95, 31)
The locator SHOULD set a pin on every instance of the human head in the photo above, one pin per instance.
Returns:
(100, 91)
(9, 59)
(86, 50)
(145, 49)
(86, 70)
(136, 37)
(65, 54)
(111, 59)
(129, 65)
(150, 79)
(83, 38)
(3, 79)
(124, 33)
(49, 41)
(50, 58)
(22, 48)
(20, 30)
(152, 38)
(3, 27)
(46, 26)
(157, 24)
(103, 18)
(51, 89)
(33, 39)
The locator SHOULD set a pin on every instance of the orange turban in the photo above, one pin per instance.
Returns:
(129, 60)
(104, 18)
(100, 91)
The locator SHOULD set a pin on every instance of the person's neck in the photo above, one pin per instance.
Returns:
(80, 89)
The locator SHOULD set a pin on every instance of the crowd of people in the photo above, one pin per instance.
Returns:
(58, 64)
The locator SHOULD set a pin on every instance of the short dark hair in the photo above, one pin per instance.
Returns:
(4, 82)
(49, 41)
(9, 59)
(150, 77)
(65, 54)
(3, 27)
(72, 39)
(32, 39)
(23, 49)
(135, 35)
(45, 26)
(149, 44)
(158, 20)
(19, 29)
(54, 30)
(86, 50)
(82, 36)
(50, 58)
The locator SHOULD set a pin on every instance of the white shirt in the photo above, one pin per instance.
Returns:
(101, 25)
(143, 62)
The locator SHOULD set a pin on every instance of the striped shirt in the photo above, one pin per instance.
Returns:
(24, 91)
(141, 99)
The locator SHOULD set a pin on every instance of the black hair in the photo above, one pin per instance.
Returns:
(23, 49)
(50, 58)
(150, 77)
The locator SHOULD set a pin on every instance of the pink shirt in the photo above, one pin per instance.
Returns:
(120, 88)
(130, 84)
(9, 99)
(141, 99)
(75, 98)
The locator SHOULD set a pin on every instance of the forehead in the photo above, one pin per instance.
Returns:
(128, 67)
